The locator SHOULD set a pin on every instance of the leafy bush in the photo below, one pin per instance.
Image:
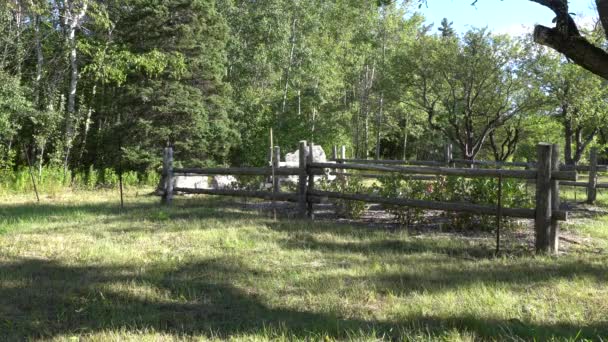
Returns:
(402, 186)
(352, 185)
(482, 191)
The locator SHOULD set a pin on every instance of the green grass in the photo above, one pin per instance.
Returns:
(74, 268)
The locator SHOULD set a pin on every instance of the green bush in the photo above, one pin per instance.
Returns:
(352, 185)
(483, 191)
(402, 186)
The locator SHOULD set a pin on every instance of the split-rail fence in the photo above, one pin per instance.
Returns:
(547, 175)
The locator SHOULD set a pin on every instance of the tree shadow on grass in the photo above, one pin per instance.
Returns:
(108, 213)
(303, 235)
(44, 299)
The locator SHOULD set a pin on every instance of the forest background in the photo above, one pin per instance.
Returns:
(89, 88)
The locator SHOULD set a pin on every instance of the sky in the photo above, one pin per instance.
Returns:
(514, 17)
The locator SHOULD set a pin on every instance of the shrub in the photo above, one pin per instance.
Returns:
(482, 191)
(402, 186)
(352, 184)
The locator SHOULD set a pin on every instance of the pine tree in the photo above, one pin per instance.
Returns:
(177, 95)
(447, 29)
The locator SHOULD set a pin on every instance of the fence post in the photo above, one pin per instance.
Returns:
(342, 156)
(276, 184)
(447, 155)
(270, 154)
(168, 175)
(542, 223)
(334, 155)
(164, 176)
(591, 188)
(311, 180)
(555, 202)
(302, 181)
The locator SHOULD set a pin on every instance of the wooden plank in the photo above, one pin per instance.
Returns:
(447, 155)
(521, 174)
(542, 221)
(570, 183)
(602, 186)
(555, 202)
(311, 180)
(380, 175)
(591, 189)
(389, 162)
(163, 179)
(583, 168)
(276, 159)
(498, 214)
(168, 178)
(302, 180)
(279, 196)
(492, 163)
(249, 171)
(564, 175)
(431, 205)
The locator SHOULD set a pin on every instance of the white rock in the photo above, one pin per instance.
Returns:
(223, 182)
(318, 155)
(191, 182)
(293, 159)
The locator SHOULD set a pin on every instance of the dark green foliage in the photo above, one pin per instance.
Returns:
(350, 185)
(212, 77)
(186, 104)
(482, 191)
(446, 29)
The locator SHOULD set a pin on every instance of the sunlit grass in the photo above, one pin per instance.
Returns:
(75, 267)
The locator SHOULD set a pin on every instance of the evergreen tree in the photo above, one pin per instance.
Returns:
(447, 29)
(177, 95)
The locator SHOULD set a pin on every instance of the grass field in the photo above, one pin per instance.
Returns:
(74, 268)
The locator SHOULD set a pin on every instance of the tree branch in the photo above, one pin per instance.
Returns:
(577, 48)
(602, 10)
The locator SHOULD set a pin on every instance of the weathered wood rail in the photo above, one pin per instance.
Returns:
(565, 178)
(547, 176)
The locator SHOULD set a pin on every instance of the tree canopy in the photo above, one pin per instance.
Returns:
(86, 84)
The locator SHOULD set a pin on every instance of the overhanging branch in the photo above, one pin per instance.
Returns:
(575, 47)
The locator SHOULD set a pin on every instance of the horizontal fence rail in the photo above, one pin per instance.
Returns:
(583, 168)
(388, 162)
(436, 205)
(444, 171)
(279, 196)
(381, 175)
(239, 171)
(565, 173)
(494, 163)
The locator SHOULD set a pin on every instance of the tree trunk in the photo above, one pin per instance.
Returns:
(289, 63)
(568, 133)
(405, 134)
(39, 63)
(72, 21)
(87, 124)
(378, 124)
(18, 14)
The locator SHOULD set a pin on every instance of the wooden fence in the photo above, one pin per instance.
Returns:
(591, 185)
(547, 176)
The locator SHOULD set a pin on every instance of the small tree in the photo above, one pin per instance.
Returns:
(469, 87)
(578, 101)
